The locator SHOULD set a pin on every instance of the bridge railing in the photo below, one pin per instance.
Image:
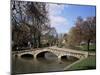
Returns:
(21, 51)
(16, 52)
(68, 50)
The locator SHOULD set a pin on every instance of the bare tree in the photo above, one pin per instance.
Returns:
(29, 19)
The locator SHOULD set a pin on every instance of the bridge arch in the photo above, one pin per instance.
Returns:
(42, 54)
(72, 56)
(69, 57)
(27, 55)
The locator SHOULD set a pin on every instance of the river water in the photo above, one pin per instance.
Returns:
(48, 64)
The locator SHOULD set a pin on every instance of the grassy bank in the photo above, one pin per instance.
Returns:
(88, 63)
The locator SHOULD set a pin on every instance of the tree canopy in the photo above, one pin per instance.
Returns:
(83, 31)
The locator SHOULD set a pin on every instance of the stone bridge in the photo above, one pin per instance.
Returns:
(59, 52)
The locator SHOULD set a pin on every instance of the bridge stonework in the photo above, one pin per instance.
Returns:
(58, 52)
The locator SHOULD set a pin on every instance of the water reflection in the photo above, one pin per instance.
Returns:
(46, 56)
(47, 63)
(68, 58)
(27, 56)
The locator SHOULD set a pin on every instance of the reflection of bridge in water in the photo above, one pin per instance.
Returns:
(59, 52)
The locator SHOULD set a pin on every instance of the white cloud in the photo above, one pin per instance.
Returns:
(55, 15)
(57, 20)
(55, 9)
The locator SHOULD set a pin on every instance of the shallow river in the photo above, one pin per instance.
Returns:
(50, 63)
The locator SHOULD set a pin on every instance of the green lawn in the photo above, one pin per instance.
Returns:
(88, 63)
(91, 47)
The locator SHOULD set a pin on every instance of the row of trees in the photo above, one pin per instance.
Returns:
(30, 24)
(83, 31)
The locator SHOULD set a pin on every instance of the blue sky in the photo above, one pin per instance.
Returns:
(63, 17)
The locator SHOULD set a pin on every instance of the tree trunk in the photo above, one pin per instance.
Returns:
(88, 46)
(39, 40)
(34, 43)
